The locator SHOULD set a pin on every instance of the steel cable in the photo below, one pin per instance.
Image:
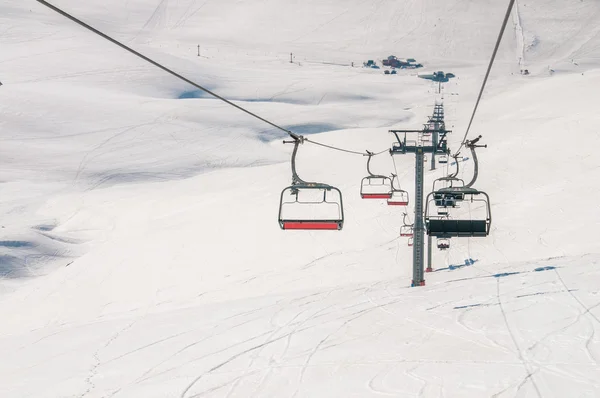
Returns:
(158, 65)
(489, 69)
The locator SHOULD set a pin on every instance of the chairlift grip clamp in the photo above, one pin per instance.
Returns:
(296, 139)
(473, 143)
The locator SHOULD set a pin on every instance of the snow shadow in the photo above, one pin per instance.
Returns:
(301, 129)
(199, 94)
(504, 274)
(191, 94)
(539, 269)
(497, 276)
(12, 267)
(45, 227)
(27, 258)
(15, 243)
(542, 269)
(452, 267)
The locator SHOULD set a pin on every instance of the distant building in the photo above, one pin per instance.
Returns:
(394, 62)
(438, 76)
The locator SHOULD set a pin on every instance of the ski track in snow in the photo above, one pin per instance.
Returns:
(524, 360)
(98, 362)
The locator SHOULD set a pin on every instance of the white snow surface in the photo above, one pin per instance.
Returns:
(140, 250)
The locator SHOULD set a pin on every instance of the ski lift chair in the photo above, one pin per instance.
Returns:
(406, 229)
(410, 241)
(446, 227)
(399, 196)
(443, 159)
(375, 186)
(309, 205)
(441, 211)
(397, 148)
(448, 196)
(447, 182)
(443, 243)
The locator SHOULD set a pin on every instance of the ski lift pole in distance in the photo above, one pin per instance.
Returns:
(309, 205)
(375, 186)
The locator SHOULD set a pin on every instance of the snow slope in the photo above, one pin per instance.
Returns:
(141, 254)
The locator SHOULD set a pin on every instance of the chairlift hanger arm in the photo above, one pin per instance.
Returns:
(394, 189)
(370, 155)
(472, 145)
(404, 215)
(401, 143)
(455, 156)
(296, 180)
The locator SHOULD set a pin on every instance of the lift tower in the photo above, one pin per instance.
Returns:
(435, 125)
(402, 147)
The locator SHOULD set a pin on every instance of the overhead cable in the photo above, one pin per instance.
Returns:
(366, 153)
(177, 75)
(489, 69)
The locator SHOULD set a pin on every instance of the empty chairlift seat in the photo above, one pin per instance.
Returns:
(457, 228)
(311, 207)
(375, 186)
(443, 244)
(312, 224)
(406, 230)
(399, 196)
(444, 225)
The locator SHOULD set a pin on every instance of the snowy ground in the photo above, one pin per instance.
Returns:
(140, 253)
